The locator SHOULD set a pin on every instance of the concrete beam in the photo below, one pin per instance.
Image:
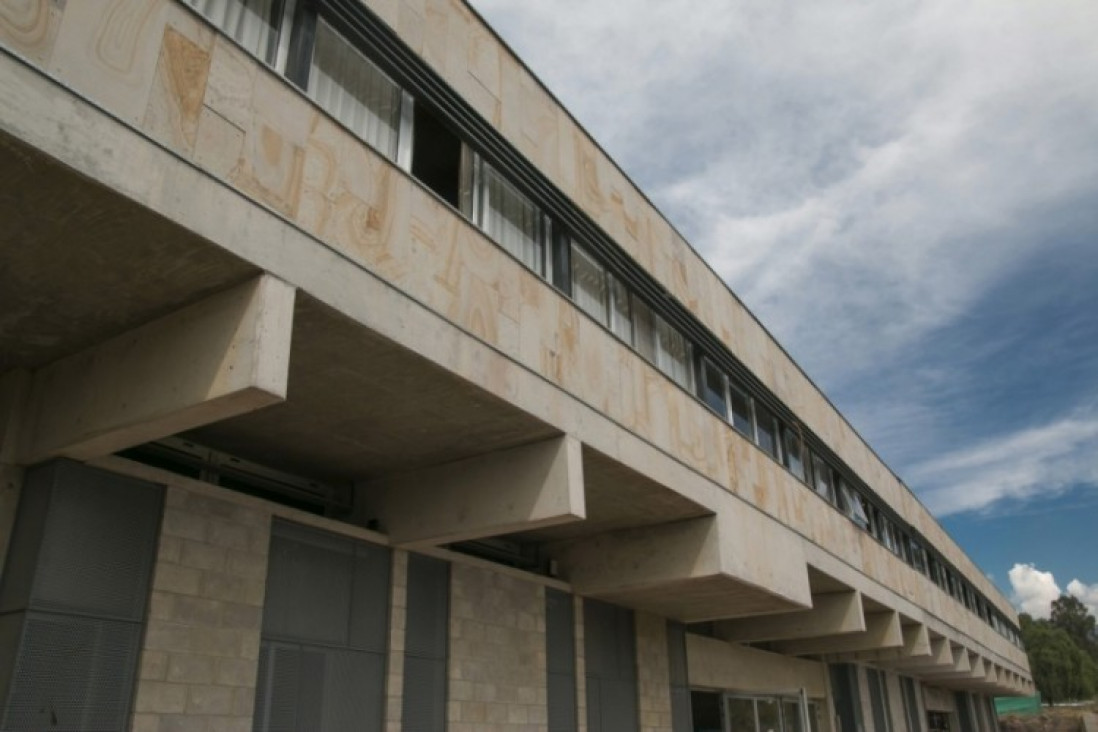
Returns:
(224, 356)
(916, 646)
(527, 487)
(835, 613)
(692, 570)
(882, 630)
(940, 656)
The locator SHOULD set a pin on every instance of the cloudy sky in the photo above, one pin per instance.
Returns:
(906, 194)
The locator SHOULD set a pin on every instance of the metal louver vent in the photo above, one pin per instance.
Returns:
(560, 654)
(72, 675)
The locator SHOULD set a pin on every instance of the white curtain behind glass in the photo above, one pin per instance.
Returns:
(509, 218)
(673, 353)
(354, 91)
(249, 22)
(588, 284)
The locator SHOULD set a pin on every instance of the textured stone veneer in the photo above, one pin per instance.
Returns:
(497, 652)
(198, 666)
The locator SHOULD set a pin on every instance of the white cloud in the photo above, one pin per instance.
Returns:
(1087, 594)
(1033, 590)
(1038, 461)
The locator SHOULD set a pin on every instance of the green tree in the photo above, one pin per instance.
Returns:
(1061, 670)
(1070, 614)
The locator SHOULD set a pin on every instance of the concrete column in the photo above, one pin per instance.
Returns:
(219, 358)
(653, 673)
(501, 492)
(398, 614)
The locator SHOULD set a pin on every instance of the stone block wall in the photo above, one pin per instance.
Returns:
(198, 666)
(497, 652)
(398, 613)
(653, 673)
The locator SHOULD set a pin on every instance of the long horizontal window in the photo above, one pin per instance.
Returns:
(417, 127)
(254, 24)
(354, 91)
(507, 216)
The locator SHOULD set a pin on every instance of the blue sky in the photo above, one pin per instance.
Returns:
(906, 194)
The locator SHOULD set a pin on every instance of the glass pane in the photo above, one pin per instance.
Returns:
(821, 471)
(769, 716)
(644, 331)
(588, 284)
(620, 322)
(740, 406)
(510, 218)
(713, 387)
(741, 715)
(794, 459)
(791, 716)
(767, 435)
(673, 353)
(354, 91)
(705, 707)
(251, 23)
(813, 717)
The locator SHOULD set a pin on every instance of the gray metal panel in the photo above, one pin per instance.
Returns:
(424, 705)
(681, 717)
(308, 587)
(560, 654)
(354, 692)
(877, 700)
(610, 660)
(428, 607)
(89, 690)
(844, 692)
(100, 544)
(964, 712)
(277, 688)
(370, 598)
(26, 540)
(560, 632)
(911, 704)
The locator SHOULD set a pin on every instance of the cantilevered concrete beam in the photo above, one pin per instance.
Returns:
(916, 645)
(882, 630)
(735, 564)
(940, 656)
(501, 492)
(219, 358)
(835, 613)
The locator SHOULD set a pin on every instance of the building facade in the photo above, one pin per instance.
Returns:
(346, 384)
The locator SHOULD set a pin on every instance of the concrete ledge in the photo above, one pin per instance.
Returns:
(835, 613)
(219, 358)
(882, 630)
(502, 492)
(690, 570)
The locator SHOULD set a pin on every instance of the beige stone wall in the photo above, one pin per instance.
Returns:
(497, 652)
(198, 664)
(653, 673)
(398, 613)
(160, 68)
